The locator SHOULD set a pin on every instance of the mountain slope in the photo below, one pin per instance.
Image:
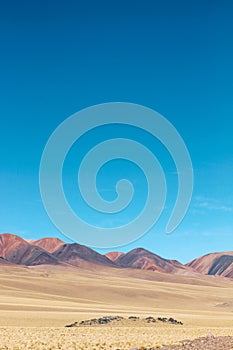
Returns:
(4, 262)
(75, 254)
(140, 258)
(214, 264)
(222, 266)
(16, 250)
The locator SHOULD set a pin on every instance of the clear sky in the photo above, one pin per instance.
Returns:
(176, 57)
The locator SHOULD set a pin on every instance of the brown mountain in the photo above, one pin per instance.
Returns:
(222, 266)
(49, 244)
(214, 264)
(114, 255)
(76, 254)
(143, 259)
(53, 251)
(18, 251)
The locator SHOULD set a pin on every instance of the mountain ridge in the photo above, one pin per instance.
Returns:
(53, 251)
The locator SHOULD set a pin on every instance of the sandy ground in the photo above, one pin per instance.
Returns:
(36, 304)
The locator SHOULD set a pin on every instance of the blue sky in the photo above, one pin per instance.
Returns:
(173, 56)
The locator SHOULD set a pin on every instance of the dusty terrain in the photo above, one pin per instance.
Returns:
(205, 343)
(37, 302)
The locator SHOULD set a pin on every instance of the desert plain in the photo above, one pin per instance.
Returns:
(37, 302)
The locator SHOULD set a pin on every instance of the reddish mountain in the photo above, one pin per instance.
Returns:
(143, 259)
(114, 255)
(222, 266)
(16, 250)
(75, 254)
(214, 264)
(51, 251)
(49, 244)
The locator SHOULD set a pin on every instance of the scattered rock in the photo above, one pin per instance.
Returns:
(169, 320)
(210, 335)
(173, 321)
(72, 325)
(150, 319)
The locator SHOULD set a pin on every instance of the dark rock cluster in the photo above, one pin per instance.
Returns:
(96, 321)
(108, 319)
(169, 320)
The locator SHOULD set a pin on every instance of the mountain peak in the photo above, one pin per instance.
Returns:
(140, 251)
(50, 244)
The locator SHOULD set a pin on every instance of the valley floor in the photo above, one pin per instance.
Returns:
(96, 338)
(36, 304)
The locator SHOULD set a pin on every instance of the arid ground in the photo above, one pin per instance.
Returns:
(37, 302)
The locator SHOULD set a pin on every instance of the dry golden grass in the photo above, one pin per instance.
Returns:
(96, 338)
(36, 303)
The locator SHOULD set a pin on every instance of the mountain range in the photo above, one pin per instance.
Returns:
(15, 250)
